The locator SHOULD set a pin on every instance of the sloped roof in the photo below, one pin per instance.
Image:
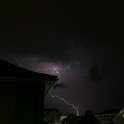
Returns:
(110, 111)
(8, 71)
(13, 71)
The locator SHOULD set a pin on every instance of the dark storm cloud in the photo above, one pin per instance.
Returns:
(61, 85)
(98, 72)
(94, 74)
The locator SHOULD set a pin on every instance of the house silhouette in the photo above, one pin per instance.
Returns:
(22, 94)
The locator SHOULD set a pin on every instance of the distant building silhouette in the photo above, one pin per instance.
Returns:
(22, 94)
(106, 117)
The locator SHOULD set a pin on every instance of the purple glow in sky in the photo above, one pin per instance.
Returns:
(55, 71)
(85, 84)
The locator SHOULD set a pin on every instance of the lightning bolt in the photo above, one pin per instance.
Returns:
(20, 65)
(66, 103)
(55, 69)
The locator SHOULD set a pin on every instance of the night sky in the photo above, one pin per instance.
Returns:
(80, 42)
